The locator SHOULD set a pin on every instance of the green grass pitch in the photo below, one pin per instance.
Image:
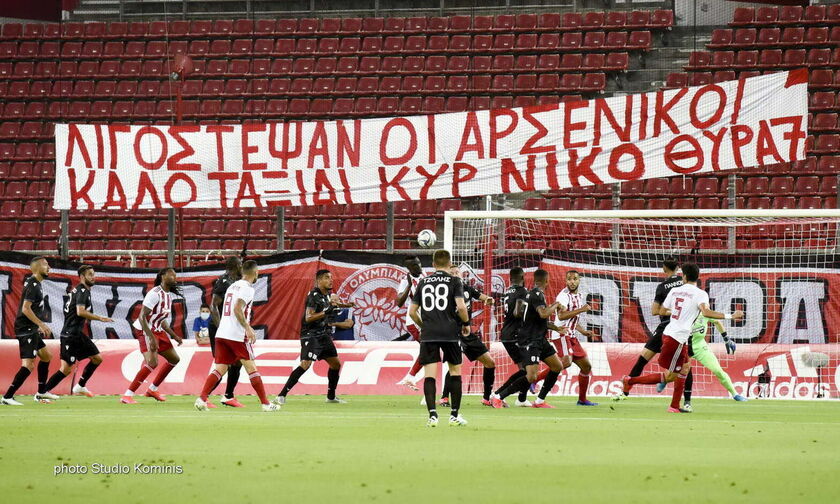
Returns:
(377, 449)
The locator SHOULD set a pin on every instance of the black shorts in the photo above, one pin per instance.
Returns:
(314, 349)
(29, 344)
(430, 352)
(473, 347)
(654, 343)
(76, 348)
(514, 351)
(537, 350)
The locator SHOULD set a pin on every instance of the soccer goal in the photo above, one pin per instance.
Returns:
(779, 266)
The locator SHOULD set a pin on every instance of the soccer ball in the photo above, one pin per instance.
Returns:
(204, 333)
(426, 238)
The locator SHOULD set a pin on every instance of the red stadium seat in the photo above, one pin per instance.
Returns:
(794, 58)
(572, 20)
(827, 144)
(792, 36)
(790, 14)
(814, 14)
(744, 37)
(766, 15)
(640, 40)
(744, 16)
(819, 57)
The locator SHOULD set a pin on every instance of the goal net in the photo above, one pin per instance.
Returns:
(779, 266)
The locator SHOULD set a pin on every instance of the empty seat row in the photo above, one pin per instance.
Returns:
(317, 107)
(42, 170)
(348, 65)
(88, 89)
(768, 58)
(25, 190)
(372, 46)
(27, 151)
(614, 20)
(775, 37)
(786, 15)
(409, 85)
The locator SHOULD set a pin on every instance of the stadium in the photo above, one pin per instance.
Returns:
(314, 249)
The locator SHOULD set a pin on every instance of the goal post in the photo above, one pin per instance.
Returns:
(779, 266)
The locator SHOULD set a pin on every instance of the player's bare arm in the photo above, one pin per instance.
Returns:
(546, 311)
(462, 311)
(586, 332)
(335, 301)
(169, 331)
(402, 296)
(215, 303)
(657, 309)
(557, 328)
(562, 314)
(144, 325)
(27, 311)
(709, 313)
(84, 313)
(415, 316)
(344, 324)
(487, 300)
(239, 313)
(311, 316)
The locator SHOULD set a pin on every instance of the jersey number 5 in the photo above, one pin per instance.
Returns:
(675, 313)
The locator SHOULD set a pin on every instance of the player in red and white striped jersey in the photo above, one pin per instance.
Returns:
(153, 326)
(235, 337)
(406, 291)
(571, 306)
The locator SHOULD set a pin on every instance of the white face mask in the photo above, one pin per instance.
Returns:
(205, 315)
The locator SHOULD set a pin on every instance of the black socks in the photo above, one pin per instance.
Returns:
(548, 384)
(638, 367)
(332, 380)
(87, 373)
(489, 377)
(689, 381)
(455, 384)
(233, 378)
(429, 390)
(293, 379)
(54, 380)
(43, 373)
(21, 376)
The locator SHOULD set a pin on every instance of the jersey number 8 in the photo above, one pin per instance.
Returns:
(226, 307)
(435, 297)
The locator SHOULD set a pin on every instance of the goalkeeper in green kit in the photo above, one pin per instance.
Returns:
(700, 351)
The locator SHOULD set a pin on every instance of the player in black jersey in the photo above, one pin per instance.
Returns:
(316, 336)
(30, 330)
(514, 303)
(654, 343)
(439, 310)
(233, 272)
(75, 344)
(536, 348)
(472, 346)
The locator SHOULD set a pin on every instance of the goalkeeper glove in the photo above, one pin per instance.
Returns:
(730, 345)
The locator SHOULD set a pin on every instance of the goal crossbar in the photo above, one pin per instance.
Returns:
(724, 214)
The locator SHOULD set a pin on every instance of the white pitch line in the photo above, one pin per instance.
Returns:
(422, 416)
